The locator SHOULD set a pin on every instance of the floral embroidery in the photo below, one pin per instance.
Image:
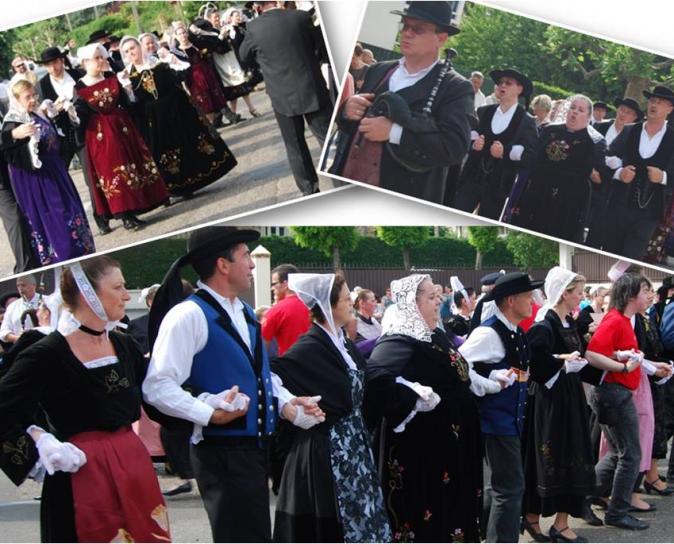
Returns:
(455, 430)
(427, 515)
(557, 150)
(457, 535)
(44, 250)
(160, 516)
(204, 146)
(18, 450)
(404, 534)
(81, 234)
(113, 382)
(102, 98)
(445, 477)
(148, 83)
(122, 536)
(170, 161)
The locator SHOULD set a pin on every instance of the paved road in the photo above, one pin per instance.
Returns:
(19, 517)
(262, 178)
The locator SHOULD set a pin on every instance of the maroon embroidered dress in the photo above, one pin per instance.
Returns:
(121, 166)
(203, 82)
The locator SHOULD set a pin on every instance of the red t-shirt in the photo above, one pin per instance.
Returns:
(286, 321)
(614, 333)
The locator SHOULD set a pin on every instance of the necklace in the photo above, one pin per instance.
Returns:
(92, 332)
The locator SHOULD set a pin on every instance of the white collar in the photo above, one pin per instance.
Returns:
(223, 301)
(504, 319)
(420, 73)
(66, 77)
(509, 111)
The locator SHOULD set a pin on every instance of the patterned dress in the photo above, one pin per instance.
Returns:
(125, 175)
(190, 155)
(48, 199)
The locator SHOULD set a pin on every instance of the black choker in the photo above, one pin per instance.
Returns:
(92, 332)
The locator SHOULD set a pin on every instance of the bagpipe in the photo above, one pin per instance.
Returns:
(359, 159)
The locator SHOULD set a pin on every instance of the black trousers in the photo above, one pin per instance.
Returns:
(630, 231)
(233, 485)
(176, 444)
(299, 157)
(17, 230)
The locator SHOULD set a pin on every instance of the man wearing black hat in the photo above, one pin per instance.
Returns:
(502, 145)
(411, 120)
(627, 112)
(599, 111)
(498, 349)
(287, 47)
(58, 86)
(484, 309)
(641, 189)
(211, 344)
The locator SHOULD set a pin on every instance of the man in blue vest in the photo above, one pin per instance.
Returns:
(498, 349)
(209, 367)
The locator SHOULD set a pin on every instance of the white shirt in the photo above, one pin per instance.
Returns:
(484, 346)
(480, 99)
(502, 119)
(611, 134)
(647, 147)
(184, 333)
(401, 79)
(11, 323)
(64, 87)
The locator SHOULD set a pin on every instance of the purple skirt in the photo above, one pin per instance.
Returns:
(47, 198)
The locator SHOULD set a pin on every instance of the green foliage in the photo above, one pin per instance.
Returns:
(483, 239)
(328, 240)
(530, 251)
(552, 91)
(403, 237)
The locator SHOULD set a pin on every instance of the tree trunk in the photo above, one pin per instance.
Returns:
(635, 87)
(136, 18)
(336, 259)
(406, 260)
(68, 23)
(478, 260)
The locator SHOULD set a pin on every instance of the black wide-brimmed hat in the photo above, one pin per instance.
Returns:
(668, 282)
(528, 86)
(50, 54)
(490, 279)
(98, 35)
(439, 13)
(600, 104)
(201, 243)
(661, 92)
(6, 296)
(631, 104)
(513, 283)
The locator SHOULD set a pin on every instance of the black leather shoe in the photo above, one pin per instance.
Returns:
(627, 522)
(128, 224)
(104, 229)
(590, 517)
(650, 488)
(528, 526)
(138, 222)
(182, 488)
(557, 536)
(651, 508)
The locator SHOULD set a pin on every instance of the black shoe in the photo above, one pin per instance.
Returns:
(138, 222)
(230, 115)
(182, 488)
(651, 508)
(590, 517)
(528, 526)
(557, 536)
(129, 225)
(649, 487)
(104, 229)
(627, 522)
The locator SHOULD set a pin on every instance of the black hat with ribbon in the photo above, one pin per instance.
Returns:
(202, 243)
(490, 279)
(600, 104)
(631, 104)
(98, 35)
(527, 85)
(50, 54)
(660, 92)
(438, 13)
(513, 283)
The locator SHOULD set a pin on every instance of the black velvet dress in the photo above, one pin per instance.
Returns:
(189, 152)
(431, 472)
(557, 197)
(558, 460)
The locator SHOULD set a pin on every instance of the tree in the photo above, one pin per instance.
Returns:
(328, 240)
(404, 238)
(483, 239)
(531, 251)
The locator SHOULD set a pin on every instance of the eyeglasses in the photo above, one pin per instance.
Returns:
(275, 283)
(416, 28)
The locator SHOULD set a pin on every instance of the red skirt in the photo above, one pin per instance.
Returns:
(116, 493)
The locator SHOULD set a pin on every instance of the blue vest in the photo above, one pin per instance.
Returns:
(226, 361)
(503, 413)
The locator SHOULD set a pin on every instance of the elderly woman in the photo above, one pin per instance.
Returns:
(557, 197)
(541, 106)
(45, 192)
(329, 491)
(559, 472)
(428, 439)
(100, 484)
(128, 181)
(188, 154)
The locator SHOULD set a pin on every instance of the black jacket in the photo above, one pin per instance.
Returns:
(287, 47)
(442, 141)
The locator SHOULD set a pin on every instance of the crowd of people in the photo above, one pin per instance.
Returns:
(417, 127)
(139, 115)
(426, 414)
